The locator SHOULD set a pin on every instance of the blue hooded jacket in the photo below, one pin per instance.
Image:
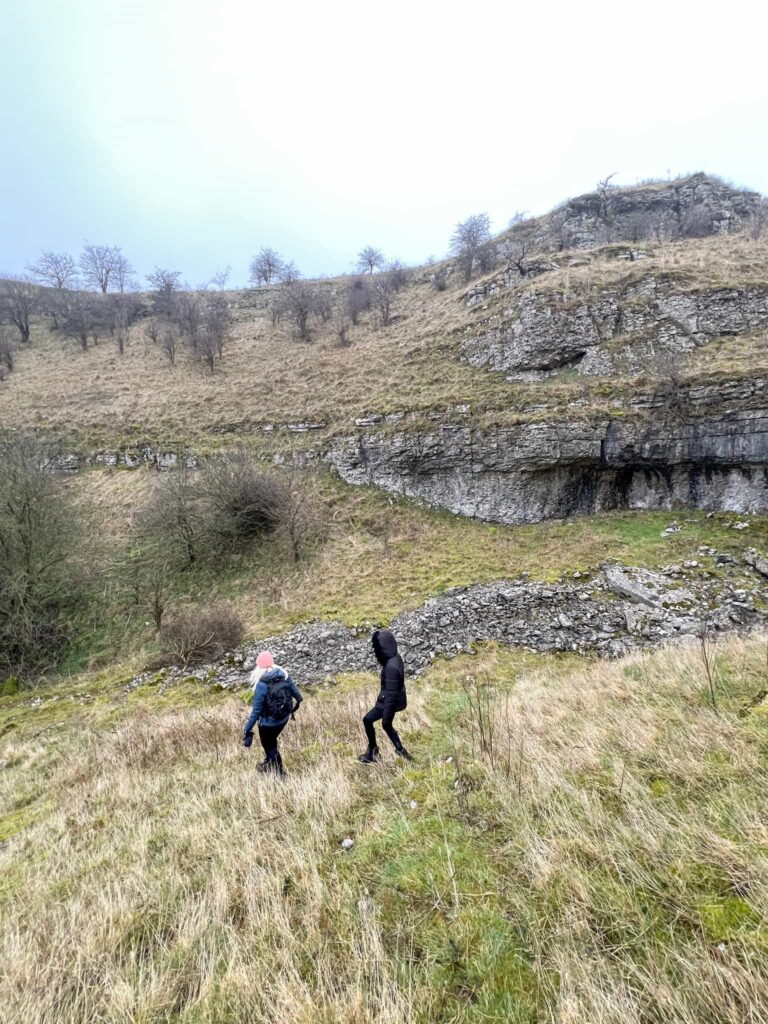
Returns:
(260, 694)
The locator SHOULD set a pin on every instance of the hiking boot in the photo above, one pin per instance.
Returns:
(402, 752)
(372, 754)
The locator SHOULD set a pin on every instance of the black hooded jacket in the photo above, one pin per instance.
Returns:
(392, 696)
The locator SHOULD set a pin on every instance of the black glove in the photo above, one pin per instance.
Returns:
(248, 739)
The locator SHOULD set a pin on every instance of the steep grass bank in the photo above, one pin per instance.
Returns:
(575, 841)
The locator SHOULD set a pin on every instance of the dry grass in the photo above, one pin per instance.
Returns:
(603, 858)
(266, 376)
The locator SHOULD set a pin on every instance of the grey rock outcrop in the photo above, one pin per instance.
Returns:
(695, 205)
(542, 331)
(710, 451)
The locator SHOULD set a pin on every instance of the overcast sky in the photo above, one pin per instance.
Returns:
(193, 133)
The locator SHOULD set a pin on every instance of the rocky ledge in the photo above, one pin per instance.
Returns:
(700, 446)
(609, 613)
(621, 329)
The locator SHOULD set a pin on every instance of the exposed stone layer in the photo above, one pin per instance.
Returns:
(704, 447)
(619, 327)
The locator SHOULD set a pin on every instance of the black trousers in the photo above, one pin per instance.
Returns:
(268, 735)
(386, 718)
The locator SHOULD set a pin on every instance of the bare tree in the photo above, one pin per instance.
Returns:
(605, 190)
(265, 267)
(18, 303)
(187, 310)
(370, 259)
(516, 252)
(174, 512)
(341, 323)
(468, 238)
(169, 341)
(102, 266)
(122, 312)
(122, 272)
(289, 273)
(216, 328)
(55, 270)
(221, 277)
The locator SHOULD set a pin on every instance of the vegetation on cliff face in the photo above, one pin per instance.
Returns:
(573, 842)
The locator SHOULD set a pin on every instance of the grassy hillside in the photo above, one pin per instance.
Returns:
(574, 842)
(266, 376)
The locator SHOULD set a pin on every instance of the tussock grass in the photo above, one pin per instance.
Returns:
(596, 851)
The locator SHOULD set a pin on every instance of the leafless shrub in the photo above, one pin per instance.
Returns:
(323, 304)
(165, 285)
(7, 352)
(168, 335)
(82, 318)
(487, 257)
(241, 501)
(357, 298)
(382, 292)
(18, 304)
(398, 275)
(299, 302)
(190, 635)
(439, 279)
(638, 225)
(55, 270)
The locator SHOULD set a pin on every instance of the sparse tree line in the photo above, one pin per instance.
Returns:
(60, 589)
(98, 297)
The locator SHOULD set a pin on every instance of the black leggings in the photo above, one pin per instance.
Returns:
(268, 734)
(386, 717)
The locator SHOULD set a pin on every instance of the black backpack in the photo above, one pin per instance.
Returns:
(278, 703)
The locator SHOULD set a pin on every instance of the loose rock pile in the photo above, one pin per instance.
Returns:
(610, 613)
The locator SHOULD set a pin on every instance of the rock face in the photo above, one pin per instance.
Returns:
(616, 610)
(618, 328)
(692, 206)
(705, 447)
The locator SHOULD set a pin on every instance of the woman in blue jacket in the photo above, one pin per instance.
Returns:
(275, 698)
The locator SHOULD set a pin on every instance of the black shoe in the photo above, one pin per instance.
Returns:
(372, 754)
(402, 752)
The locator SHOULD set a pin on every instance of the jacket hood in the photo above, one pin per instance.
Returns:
(269, 675)
(384, 645)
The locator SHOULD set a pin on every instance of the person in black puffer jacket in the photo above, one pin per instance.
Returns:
(392, 697)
